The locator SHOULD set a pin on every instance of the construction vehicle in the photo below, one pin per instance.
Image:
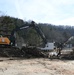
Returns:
(7, 45)
(65, 49)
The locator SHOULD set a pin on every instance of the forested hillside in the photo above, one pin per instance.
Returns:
(52, 32)
(57, 33)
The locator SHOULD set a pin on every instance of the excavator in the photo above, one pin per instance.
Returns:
(8, 48)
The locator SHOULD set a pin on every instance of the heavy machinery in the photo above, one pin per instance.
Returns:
(65, 50)
(8, 48)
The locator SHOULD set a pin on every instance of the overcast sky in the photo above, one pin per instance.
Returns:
(58, 12)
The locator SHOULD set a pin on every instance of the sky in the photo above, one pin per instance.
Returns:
(57, 12)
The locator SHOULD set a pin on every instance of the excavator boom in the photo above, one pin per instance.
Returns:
(26, 26)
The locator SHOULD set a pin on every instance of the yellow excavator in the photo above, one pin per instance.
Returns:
(7, 45)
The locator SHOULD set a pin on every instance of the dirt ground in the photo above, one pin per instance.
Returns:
(36, 66)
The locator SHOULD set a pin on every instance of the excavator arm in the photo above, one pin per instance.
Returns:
(25, 26)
